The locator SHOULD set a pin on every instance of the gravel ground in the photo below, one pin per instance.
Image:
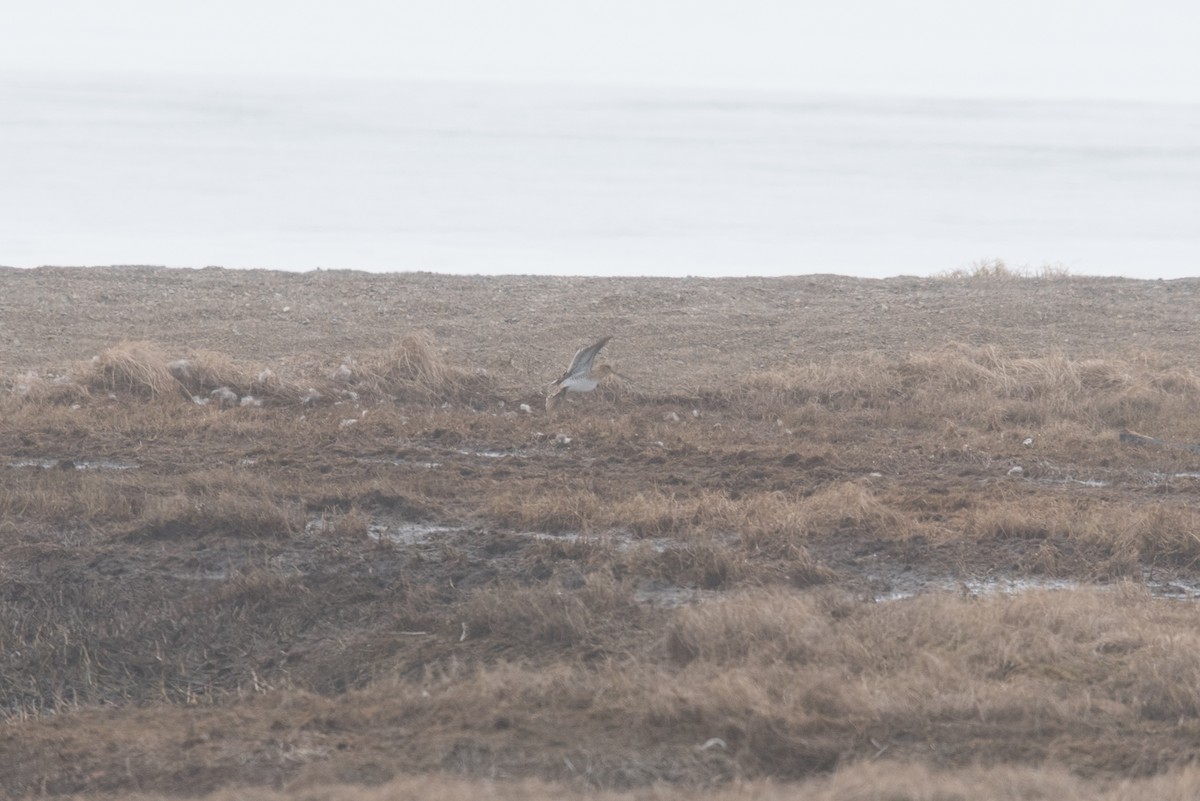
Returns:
(667, 332)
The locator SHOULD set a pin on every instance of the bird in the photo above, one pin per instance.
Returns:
(581, 376)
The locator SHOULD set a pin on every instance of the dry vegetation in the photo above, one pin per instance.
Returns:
(929, 573)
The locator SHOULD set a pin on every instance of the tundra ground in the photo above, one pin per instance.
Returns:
(268, 535)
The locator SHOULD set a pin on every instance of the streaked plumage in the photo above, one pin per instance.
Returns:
(581, 376)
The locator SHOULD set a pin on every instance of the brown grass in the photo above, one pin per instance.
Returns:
(413, 370)
(980, 387)
(592, 616)
(884, 780)
(791, 685)
(220, 513)
(409, 370)
(759, 519)
(139, 368)
(1165, 533)
(448, 590)
(998, 270)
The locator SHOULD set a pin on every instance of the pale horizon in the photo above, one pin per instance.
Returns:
(1026, 49)
(656, 137)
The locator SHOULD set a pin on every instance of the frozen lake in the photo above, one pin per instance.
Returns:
(504, 179)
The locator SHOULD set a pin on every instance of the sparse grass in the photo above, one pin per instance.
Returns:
(882, 780)
(981, 387)
(203, 370)
(763, 627)
(221, 513)
(649, 513)
(409, 370)
(1163, 534)
(36, 388)
(998, 270)
(275, 596)
(595, 616)
(775, 523)
(792, 685)
(413, 370)
(978, 386)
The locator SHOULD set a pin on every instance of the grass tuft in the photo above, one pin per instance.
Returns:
(139, 368)
(998, 270)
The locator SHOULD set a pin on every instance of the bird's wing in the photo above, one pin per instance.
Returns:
(582, 363)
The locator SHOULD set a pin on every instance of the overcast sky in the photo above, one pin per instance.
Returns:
(1119, 49)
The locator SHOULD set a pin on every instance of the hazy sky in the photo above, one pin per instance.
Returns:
(1016, 48)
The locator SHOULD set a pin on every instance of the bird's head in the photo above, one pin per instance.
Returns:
(602, 371)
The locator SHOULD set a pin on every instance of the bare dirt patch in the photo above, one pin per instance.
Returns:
(823, 522)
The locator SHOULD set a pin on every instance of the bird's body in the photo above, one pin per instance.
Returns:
(581, 376)
(579, 383)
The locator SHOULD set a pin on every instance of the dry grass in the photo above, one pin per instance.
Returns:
(1033, 692)
(410, 370)
(139, 368)
(218, 513)
(792, 685)
(145, 369)
(711, 535)
(645, 514)
(760, 519)
(775, 674)
(884, 780)
(593, 618)
(980, 387)
(278, 597)
(35, 388)
(1132, 533)
(998, 270)
(412, 359)
(413, 370)
(60, 497)
(202, 370)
